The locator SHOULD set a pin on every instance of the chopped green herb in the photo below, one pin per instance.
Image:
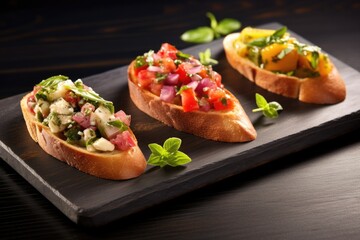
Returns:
(183, 88)
(140, 61)
(182, 55)
(160, 77)
(314, 59)
(168, 154)
(269, 110)
(72, 135)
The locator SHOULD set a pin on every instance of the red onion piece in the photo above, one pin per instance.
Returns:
(193, 85)
(195, 77)
(172, 79)
(154, 69)
(205, 83)
(204, 105)
(167, 93)
(194, 69)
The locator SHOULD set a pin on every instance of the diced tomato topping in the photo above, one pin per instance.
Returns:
(219, 100)
(167, 50)
(31, 102)
(155, 88)
(183, 76)
(168, 65)
(82, 120)
(145, 78)
(189, 100)
(206, 91)
(223, 104)
(217, 78)
(121, 115)
(216, 94)
(138, 69)
(123, 141)
(204, 73)
(71, 98)
(87, 108)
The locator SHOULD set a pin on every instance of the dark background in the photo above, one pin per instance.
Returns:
(313, 194)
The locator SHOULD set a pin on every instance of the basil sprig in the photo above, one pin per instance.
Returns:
(205, 34)
(269, 110)
(265, 41)
(205, 58)
(168, 154)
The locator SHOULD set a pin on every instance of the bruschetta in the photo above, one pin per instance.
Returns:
(279, 63)
(176, 89)
(71, 122)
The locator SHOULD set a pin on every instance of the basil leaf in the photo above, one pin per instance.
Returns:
(213, 21)
(259, 42)
(155, 160)
(181, 158)
(119, 124)
(260, 100)
(53, 81)
(271, 113)
(172, 144)
(280, 32)
(156, 149)
(89, 94)
(275, 105)
(198, 35)
(227, 26)
(265, 41)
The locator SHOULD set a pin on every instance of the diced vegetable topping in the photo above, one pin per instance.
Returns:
(79, 115)
(181, 79)
(276, 51)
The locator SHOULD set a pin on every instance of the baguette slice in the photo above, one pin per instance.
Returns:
(329, 89)
(115, 165)
(226, 126)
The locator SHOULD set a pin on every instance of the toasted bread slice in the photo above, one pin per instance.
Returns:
(226, 126)
(329, 89)
(115, 165)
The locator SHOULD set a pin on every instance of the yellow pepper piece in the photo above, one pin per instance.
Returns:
(324, 66)
(249, 34)
(272, 62)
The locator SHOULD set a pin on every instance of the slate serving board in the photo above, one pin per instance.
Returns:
(91, 201)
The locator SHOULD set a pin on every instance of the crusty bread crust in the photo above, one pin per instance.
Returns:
(116, 165)
(320, 90)
(225, 126)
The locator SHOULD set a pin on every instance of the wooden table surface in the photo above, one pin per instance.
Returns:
(312, 194)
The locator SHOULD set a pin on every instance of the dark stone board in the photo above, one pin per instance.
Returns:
(92, 201)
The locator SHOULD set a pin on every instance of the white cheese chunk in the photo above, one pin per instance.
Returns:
(104, 145)
(61, 106)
